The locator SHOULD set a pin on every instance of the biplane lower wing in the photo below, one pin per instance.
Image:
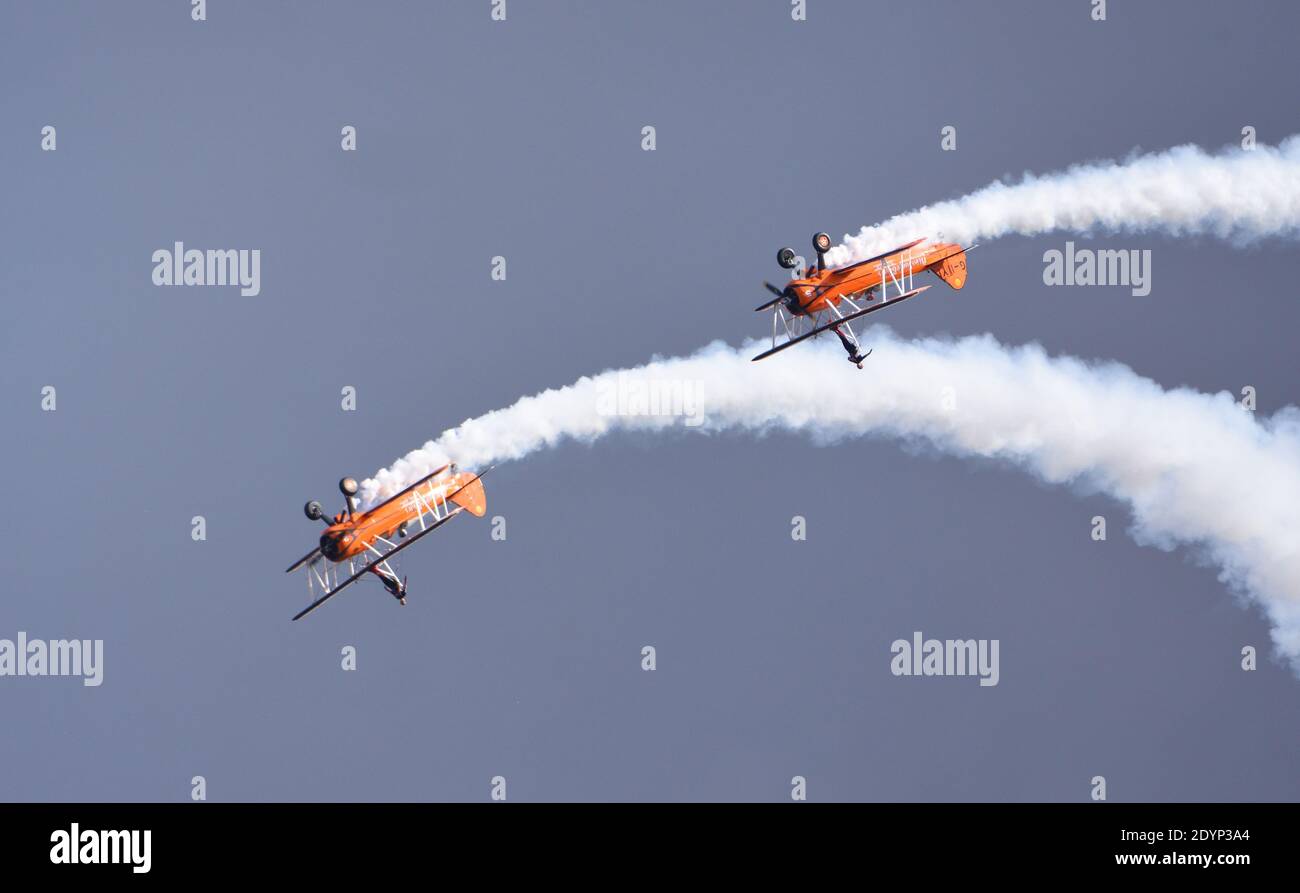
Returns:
(375, 563)
(839, 321)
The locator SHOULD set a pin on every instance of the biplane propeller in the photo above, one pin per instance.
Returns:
(355, 543)
(811, 304)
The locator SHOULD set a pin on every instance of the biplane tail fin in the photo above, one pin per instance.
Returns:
(471, 495)
(952, 269)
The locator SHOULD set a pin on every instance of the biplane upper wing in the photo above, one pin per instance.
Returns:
(767, 305)
(306, 559)
(839, 321)
(429, 476)
(872, 260)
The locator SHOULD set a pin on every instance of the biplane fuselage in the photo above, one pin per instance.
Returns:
(809, 305)
(824, 289)
(349, 537)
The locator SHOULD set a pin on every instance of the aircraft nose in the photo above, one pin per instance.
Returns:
(333, 542)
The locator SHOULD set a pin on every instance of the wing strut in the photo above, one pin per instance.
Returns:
(838, 322)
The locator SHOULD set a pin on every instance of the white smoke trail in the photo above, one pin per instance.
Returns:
(1237, 194)
(1196, 469)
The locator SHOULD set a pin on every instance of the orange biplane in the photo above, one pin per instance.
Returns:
(811, 303)
(364, 541)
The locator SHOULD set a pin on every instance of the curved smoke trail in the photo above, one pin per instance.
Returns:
(1196, 469)
(1237, 194)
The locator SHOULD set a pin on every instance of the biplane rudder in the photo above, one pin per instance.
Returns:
(471, 496)
(952, 269)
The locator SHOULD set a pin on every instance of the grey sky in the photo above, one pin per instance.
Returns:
(522, 658)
